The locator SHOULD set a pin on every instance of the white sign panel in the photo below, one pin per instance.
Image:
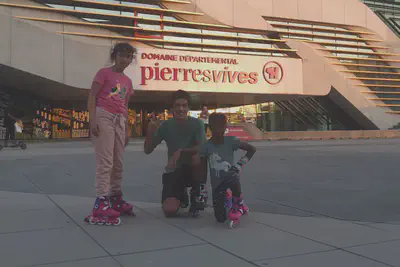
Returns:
(169, 70)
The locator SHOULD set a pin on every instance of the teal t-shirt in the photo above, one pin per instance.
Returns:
(181, 135)
(220, 157)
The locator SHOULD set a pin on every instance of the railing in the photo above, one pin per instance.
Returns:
(149, 22)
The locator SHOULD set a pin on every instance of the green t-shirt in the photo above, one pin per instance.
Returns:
(181, 135)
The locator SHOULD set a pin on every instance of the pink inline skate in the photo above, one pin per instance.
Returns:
(102, 213)
(120, 205)
(245, 208)
(237, 211)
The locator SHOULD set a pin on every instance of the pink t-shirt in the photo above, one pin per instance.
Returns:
(116, 87)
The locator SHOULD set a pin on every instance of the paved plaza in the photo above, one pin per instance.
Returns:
(314, 203)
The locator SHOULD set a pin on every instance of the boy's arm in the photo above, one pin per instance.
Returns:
(251, 150)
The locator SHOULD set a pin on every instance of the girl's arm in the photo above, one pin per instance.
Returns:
(94, 91)
(127, 130)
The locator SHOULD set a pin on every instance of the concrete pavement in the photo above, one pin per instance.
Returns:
(331, 203)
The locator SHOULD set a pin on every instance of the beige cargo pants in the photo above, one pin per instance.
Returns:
(109, 151)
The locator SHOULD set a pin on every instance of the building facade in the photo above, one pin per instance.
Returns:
(303, 64)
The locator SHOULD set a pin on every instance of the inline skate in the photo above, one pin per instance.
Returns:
(120, 205)
(103, 213)
(238, 209)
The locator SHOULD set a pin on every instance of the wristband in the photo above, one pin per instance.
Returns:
(243, 161)
(239, 165)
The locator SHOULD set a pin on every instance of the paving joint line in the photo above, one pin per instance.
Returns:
(328, 250)
(321, 214)
(32, 230)
(373, 243)
(91, 237)
(329, 245)
(66, 261)
(160, 249)
(202, 239)
(387, 223)
(32, 182)
(297, 254)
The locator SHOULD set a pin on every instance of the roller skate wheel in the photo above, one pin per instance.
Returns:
(117, 222)
(108, 223)
(23, 146)
(92, 221)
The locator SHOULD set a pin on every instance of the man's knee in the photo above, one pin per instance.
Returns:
(171, 206)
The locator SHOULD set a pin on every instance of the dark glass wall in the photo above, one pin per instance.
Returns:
(331, 112)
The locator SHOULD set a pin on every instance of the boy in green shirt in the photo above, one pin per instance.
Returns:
(224, 172)
(183, 135)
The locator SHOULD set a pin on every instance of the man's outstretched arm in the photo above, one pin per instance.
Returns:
(151, 141)
(150, 144)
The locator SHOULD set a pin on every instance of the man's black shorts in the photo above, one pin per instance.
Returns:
(174, 183)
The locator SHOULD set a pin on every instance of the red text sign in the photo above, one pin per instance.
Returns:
(239, 132)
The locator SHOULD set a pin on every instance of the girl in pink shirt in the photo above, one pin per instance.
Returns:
(108, 108)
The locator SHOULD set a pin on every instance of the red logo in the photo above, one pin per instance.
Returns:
(273, 72)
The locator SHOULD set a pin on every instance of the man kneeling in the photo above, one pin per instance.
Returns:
(183, 136)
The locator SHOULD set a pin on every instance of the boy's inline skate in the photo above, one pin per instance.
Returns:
(238, 209)
(103, 213)
(120, 205)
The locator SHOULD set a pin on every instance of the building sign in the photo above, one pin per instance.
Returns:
(169, 70)
(239, 132)
(273, 72)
